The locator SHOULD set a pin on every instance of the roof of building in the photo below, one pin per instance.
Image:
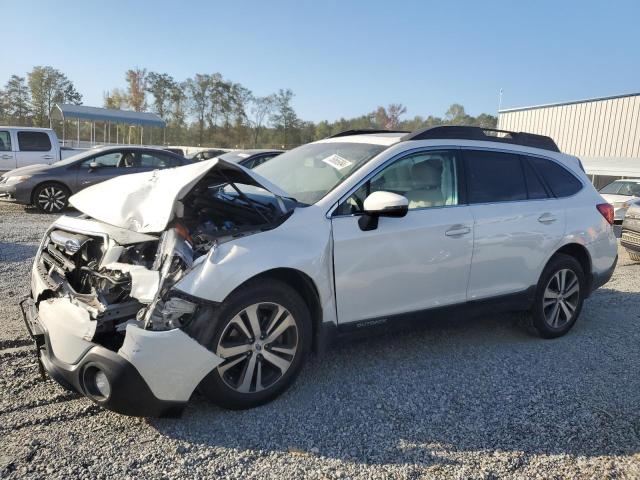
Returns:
(84, 112)
(573, 102)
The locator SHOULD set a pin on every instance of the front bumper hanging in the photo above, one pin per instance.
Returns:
(129, 393)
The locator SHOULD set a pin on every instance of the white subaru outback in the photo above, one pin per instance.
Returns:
(214, 277)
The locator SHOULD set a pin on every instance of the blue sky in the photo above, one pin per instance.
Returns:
(341, 58)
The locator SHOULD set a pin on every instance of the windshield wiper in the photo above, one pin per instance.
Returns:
(250, 201)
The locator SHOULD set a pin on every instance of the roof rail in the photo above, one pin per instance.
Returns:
(364, 131)
(484, 134)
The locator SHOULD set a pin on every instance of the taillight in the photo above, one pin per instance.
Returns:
(606, 209)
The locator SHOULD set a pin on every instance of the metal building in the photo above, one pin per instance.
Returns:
(604, 132)
(107, 117)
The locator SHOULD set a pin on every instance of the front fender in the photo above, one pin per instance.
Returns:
(302, 243)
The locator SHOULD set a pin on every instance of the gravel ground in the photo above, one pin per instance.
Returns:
(480, 398)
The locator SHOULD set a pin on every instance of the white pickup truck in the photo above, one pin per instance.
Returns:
(22, 146)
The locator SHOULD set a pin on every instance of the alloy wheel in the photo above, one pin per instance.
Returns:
(258, 346)
(561, 298)
(52, 199)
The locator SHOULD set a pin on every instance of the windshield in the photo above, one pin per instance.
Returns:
(309, 172)
(630, 189)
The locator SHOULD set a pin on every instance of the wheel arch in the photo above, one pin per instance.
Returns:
(304, 285)
(44, 182)
(581, 254)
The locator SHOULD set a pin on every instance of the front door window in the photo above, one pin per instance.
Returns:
(427, 179)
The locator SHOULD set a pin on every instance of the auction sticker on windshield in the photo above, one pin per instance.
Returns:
(337, 162)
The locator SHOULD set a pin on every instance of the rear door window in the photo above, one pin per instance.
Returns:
(561, 182)
(33, 141)
(494, 177)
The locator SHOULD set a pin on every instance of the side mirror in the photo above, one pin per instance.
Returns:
(382, 204)
(93, 166)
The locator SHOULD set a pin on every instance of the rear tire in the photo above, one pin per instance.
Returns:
(559, 296)
(263, 330)
(51, 197)
(635, 256)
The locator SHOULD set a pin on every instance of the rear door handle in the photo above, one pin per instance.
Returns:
(547, 218)
(7, 157)
(47, 157)
(457, 231)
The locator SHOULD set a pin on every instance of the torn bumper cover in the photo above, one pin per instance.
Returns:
(153, 374)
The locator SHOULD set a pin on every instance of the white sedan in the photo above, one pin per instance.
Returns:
(622, 194)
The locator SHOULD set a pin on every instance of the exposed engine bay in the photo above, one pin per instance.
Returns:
(119, 282)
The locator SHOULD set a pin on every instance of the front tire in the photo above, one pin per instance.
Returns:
(51, 197)
(559, 296)
(263, 331)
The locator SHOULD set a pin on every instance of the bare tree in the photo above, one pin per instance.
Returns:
(284, 117)
(137, 86)
(394, 112)
(160, 86)
(262, 108)
(199, 89)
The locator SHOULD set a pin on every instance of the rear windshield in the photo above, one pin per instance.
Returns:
(630, 189)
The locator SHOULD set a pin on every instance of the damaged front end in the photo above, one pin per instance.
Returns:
(110, 323)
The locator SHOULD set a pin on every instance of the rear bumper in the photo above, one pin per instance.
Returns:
(599, 279)
(618, 214)
(630, 239)
(129, 392)
(630, 246)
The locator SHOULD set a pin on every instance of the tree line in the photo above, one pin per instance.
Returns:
(208, 109)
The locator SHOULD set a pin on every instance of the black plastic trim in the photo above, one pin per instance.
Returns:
(463, 132)
(364, 131)
(514, 302)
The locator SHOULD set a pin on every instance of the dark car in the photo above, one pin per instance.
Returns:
(630, 237)
(49, 187)
(207, 154)
(250, 158)
(175, 150)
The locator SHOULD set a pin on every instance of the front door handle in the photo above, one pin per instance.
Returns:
(547, 218)
(47, 157)
(7, 157)
(457, 231)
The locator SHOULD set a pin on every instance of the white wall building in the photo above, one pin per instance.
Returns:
(603, 132)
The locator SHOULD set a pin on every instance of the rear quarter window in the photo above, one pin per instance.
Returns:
(33, 142)
(561, 182)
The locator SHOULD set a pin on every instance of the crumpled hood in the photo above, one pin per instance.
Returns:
(146, 202)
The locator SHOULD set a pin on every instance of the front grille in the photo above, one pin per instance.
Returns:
(65, 252)
(631, 237)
